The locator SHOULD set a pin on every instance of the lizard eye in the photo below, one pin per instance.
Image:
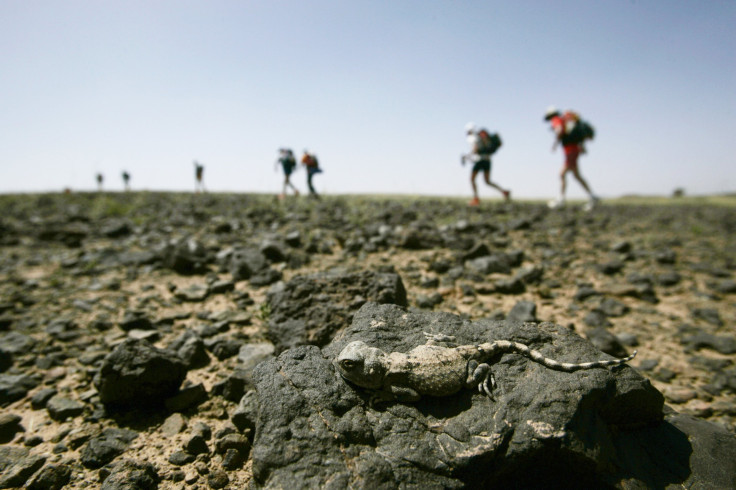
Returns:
(347, 364)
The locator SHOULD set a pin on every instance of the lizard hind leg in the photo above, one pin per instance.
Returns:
(481, 376)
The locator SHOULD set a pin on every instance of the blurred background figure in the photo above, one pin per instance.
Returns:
(310, 161)
(126, 180)
(100, 179)
(198, 174)
(482, 145)
(571, 132)
(288, 164)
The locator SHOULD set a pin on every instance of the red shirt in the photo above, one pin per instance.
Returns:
(559, 126)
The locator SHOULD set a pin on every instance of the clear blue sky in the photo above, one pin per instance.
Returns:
(379, 90)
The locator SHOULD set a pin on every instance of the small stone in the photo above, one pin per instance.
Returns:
(39, 400)
(51, 477)
(9, 426)
(61, 408)
(196, 444)
(217, 479)
(173, 425)
(679, 395)
(180, 458)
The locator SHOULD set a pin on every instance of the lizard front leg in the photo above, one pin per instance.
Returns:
(480, 376)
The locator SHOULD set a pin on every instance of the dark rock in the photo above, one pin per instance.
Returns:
(234, 386)
(180, 458)
(136, 373)
(223, 347)
(509, 286)
(102, 449)
(523, 311)
(196, 444)
(17, 464)
(250, 355)
(606, 341)
(497, 263)
(622, 247)
(232, 459)
(6, 359)
(245, 415)
(312, 309)
(246, 262)
(665, 256)
(191, 349)
(195, 293)
(60, 408)
(233, 441)
(39, 400)
(17, 343)
(217, 479)
(429, 302)
(531, 274)
(188, 397)
(313, 415)
(709, 315)
(265, 277)
(585, 292)
(596, 318)
(611, 267)
(129, 475)
(274, 250)
(135, 320)
(702, 340)
(51, 477)
(669, 278)
(186, 257)
(9, 426)
(727, 286)
(116, 229)
(14, 387)
(612, 307)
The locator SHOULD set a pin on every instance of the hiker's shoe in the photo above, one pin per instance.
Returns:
(474, 202)
(591, 204)
(556, 203)
(506, 195)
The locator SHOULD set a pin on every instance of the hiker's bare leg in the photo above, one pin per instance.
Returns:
(473, 175)
(487, 177)
(576, 174)
(563, 182)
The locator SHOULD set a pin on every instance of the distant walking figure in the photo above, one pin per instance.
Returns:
(126, 180)
(482, 145)
(571, 132)
(100, 178)
(310, 161)
(288, 165)
(198, 174)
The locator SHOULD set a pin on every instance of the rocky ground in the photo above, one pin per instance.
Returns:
(130, 324)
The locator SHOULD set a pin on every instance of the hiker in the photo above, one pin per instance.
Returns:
(288, 164)
(100, 179)
(126, 180)
(483, 144)
(310, 161)
(198, 174)
(571, 133)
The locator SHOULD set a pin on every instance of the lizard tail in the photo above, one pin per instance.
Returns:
(536, 356)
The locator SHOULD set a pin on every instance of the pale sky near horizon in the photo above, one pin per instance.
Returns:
(379, 90)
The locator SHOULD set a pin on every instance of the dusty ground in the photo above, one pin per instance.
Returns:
(43, 279)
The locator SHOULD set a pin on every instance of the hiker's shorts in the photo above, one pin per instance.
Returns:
(482, 166)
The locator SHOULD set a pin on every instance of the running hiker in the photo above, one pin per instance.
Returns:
(483, 145)
(562, 125)
(288, 164)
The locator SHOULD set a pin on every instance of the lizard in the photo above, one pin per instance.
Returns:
(438, 370)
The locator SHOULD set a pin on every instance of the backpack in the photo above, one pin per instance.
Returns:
(488, 143)
(581, 131)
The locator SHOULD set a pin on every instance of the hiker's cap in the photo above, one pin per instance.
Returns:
(551, 111)
(470, 127)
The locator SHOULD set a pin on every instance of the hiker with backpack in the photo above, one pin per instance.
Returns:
(571, 132)
(309, 160)
(288, 164)
(483, 144)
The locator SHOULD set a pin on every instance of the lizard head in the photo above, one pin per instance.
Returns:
(362, 365)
